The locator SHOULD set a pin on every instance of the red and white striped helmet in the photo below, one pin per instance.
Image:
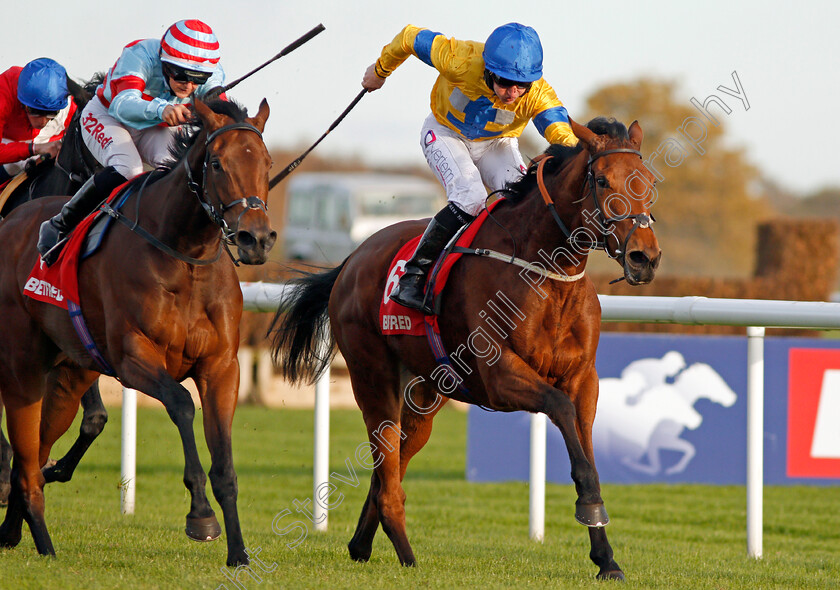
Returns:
(190, 44)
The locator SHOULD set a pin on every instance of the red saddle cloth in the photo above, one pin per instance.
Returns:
(57, 283)
(396, 319)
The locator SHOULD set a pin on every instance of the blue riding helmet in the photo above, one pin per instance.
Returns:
(514, 52)
(43, 85)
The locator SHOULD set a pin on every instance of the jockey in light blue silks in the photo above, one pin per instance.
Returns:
(132, 119)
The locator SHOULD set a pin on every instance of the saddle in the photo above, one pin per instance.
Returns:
(58, 283)
(396, 319)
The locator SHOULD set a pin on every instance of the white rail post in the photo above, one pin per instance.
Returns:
(322, 449)
(755, 440)
(537, 483)
(128, 463)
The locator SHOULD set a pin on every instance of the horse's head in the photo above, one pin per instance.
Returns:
(235, 179)
(622, 191)
(701, 381)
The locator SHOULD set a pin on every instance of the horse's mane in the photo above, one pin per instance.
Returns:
(560, 154)
(83, 92)
(186, 136)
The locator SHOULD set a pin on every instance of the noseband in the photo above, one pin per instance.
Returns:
(642, 220)
(216, 213)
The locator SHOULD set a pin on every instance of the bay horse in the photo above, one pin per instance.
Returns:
(161, 305)
(597, 194)
(60, 176)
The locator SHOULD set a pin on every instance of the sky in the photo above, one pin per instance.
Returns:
(784, 54)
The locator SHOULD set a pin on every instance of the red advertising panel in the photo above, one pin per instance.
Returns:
(813, 413)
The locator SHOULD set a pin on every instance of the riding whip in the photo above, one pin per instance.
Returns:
(288, 49)
(300, 158)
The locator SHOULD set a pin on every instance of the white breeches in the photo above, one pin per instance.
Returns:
(124, 148)
(465, 168)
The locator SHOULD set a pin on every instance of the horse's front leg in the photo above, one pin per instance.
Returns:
(513, 383)
(594, 515)
(150, 378)
(218, 385)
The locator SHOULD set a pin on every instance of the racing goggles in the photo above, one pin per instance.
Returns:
(180, 74)
(41, 113)
(505, 83)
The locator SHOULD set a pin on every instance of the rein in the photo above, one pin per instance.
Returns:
(215, 215)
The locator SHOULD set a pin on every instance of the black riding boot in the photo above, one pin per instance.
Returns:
(53, 232)
(440, 230)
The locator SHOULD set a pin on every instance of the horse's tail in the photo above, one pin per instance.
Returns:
(301, 342)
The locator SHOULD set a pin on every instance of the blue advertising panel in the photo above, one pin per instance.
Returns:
(674, 409)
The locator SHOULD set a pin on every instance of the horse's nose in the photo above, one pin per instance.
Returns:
(640, 265)
(644, 258)
(254, 247)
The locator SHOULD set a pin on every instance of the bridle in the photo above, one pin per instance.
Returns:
(215, 213)
(606, 222)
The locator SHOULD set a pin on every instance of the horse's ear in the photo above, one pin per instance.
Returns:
(258, 121)
(210, 119)
(636, 134)
(584, 134)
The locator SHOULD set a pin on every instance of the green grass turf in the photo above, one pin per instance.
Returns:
(463, 534)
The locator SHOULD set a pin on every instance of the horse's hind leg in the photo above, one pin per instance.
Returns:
(375, 383)
(361, 545)
(94, 418)
(65, 384)
(421, 405)
(5, 465)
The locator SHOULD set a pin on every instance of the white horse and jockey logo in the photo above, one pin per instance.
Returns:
(646, 410)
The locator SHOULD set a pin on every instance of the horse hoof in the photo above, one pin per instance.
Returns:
(237, 559)
(203, 529)
(52, 472)
(8, 540)
(592, 515)
(616, 575)
(357, 555)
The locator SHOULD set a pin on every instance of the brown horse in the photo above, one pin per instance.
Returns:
(62, 176)
(537, 356)
(161, 305)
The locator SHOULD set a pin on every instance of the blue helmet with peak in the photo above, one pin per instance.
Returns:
(514, 52)
(43, 85)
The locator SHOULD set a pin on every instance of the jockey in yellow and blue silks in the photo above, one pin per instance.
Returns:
(484, 96)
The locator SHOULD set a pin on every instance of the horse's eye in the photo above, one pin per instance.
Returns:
(216, 165)
(601, 182)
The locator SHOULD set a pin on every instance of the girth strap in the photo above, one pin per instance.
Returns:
(563, 278)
